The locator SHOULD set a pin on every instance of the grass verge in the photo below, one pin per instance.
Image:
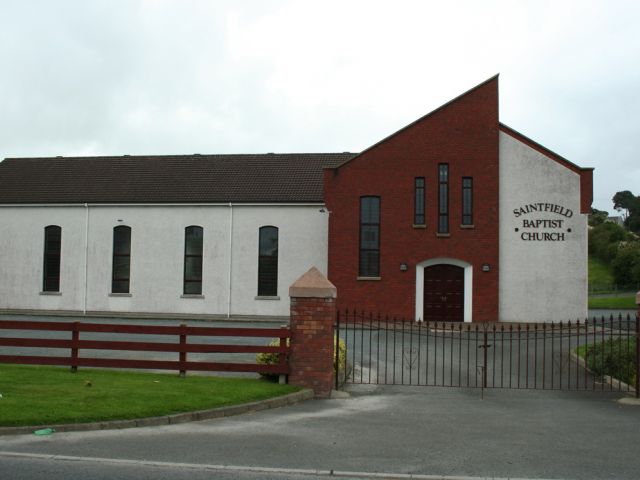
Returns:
(53, 395)
(613, 357)
(623, 301)
(599, 272)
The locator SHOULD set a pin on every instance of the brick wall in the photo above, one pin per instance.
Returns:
(311, 357)
(313, 312)
(462, 133)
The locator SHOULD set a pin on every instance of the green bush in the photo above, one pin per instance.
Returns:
(272, 358)
(604, 240)
(269, 358)
(626, 264)
(613, 357)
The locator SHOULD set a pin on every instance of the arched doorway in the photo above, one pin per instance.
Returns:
(443, 293)
(456, 284)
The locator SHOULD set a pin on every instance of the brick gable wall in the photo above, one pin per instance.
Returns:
(463, 133)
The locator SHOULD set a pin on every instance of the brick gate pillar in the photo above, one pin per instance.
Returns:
(313, 312)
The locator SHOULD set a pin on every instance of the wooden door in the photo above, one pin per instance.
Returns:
(444, 293)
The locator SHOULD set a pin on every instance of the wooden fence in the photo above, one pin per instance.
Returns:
(182, 333)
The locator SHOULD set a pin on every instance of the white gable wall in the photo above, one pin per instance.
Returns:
(540, 280)
(157, 250)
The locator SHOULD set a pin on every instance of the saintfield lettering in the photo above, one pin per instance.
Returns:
(543, 208)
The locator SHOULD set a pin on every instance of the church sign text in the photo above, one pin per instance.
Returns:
(537, 229)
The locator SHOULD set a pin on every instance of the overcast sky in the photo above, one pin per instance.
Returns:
(177, 77)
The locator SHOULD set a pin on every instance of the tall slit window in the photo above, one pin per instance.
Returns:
(418, 217)
(268, 262)
(193, 239)
(369, 264)
(121, 259)
(51, 271)
(467, 201)
(443, 198)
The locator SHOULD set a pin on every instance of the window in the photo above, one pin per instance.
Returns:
(418, 216)
(51, 271)
(268, 262)
(467, 201)
(121, 259)
(193, 237)
(369, 265)
(443, 198)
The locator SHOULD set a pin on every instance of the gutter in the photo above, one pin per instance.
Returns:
(226, 204)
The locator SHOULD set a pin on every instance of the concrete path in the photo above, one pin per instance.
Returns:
(392, 430)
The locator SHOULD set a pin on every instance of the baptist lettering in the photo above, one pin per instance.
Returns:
(542, 223)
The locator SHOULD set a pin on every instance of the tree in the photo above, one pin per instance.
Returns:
(623, 201)
(628, 202)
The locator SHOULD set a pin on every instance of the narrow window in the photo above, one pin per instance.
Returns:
(268, 262)
(369, 237)
(51, 272)
(467, 201)
(121, 259)
(418, 217)
(443, 198)
(193, 237)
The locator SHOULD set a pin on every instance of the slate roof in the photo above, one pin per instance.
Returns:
(260, 178)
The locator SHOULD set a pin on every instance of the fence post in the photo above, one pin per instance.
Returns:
(638, 346)
(313, 310)
(485, 347)
(282, 357)
(75, 337)
(183, 353)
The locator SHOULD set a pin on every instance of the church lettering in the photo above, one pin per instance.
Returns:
(544, 229)
(543, 208)
(542, 236)
(542, 223)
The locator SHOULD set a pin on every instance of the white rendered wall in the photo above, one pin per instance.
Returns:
(157, 249)
(540, 280)
(22, 262)
(302, 243)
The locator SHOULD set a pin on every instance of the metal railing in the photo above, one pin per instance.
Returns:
(593, 354)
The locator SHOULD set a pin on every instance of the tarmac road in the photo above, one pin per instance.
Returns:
(391, 430)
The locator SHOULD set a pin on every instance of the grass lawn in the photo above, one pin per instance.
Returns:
(599, 272)
(623, 301)
(52, 395)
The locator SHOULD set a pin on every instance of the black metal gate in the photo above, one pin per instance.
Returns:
(594, 354)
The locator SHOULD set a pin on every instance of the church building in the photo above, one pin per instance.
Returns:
(455, 217)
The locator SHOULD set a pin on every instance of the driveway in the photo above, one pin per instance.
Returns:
(392, 430)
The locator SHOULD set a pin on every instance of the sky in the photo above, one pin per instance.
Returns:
(115, 77)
